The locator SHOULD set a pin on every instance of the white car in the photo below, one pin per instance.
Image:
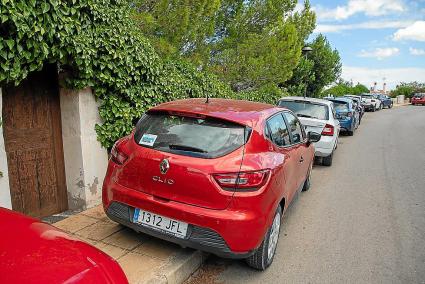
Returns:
(319, 116)
(371, 102)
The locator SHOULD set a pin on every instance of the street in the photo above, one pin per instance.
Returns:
(363, 220)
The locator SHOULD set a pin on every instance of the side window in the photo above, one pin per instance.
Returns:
(277, 131)
(295, 128)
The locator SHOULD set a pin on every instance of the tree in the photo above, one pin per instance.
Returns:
(178, 28)
(408, 89)
(258, 43)
(345, 88)
(320, 68)
(326, 65)
(251, 44)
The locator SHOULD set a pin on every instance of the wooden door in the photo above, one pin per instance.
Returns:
(33, 142)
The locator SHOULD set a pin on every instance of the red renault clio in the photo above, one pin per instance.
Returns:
(213, 175)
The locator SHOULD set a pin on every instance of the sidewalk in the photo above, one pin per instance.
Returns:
(144, 259)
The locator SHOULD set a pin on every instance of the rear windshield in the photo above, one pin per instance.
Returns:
(307, 109)
(340, 106)
(189, 136)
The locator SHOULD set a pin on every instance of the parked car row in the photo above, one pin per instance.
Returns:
(374, 102)
(215, 175)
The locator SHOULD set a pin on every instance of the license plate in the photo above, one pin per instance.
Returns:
(160, 223)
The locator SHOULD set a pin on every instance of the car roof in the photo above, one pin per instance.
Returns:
(313, 100)
(239, 111)
(341, 99)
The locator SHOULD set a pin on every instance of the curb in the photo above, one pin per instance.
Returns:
(179, 268)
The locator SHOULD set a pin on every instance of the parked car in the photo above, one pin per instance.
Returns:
(317, 115)
(371, 102)
(385, 101)
(347, 114)
(213, 176)
(418, 99)
(35, 252)
(359, 104)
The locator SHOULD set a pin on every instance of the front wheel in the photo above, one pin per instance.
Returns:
(327, 161)
(264, 255)
(390, 106)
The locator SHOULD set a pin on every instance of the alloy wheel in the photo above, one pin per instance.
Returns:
(274, 236)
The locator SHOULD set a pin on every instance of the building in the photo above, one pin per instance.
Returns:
(50, 159)
(375, 90)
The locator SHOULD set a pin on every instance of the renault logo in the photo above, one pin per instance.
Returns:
(164, 166)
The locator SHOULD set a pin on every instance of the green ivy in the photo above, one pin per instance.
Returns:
(98, 45)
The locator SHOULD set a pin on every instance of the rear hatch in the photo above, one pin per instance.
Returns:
(313, 116)
(173, 157)
(313, 124)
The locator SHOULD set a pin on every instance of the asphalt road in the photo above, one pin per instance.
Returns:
(363, 220)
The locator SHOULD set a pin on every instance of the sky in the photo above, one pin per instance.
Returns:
(378, 40)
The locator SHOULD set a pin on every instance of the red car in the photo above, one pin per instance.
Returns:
(418, 99)
(215, 176)
(35, 252)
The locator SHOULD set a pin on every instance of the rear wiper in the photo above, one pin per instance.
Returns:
(306, 115)
(186, 148)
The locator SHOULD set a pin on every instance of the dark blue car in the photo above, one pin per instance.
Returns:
(346, 113)
(385, 101)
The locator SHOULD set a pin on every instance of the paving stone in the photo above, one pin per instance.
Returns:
(139, 268)
(114, 251)
(95, 212)
(91, 242)
(75, 223)
(99, 230)
(126, 239)
(158, 249)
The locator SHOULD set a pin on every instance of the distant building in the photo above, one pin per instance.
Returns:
(375, 90)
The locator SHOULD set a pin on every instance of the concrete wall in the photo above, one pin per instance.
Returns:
(85, 159)
(5, 200)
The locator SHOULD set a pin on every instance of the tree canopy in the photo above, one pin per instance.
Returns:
(345, 88)
(408, 89)
(250, 44)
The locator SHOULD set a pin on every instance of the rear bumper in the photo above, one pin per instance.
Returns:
(346, 124)
(325, 146)
(198, 237)
(230, 233)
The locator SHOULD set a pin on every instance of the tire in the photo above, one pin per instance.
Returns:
(373, 109)
(390, 106)
(381, 106)
(327, 161)
(350, 133)
(262, 258)
(307, 182)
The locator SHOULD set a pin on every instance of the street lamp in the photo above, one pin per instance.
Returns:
(306, 50)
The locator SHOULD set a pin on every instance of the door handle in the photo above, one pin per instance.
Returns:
(301, 159)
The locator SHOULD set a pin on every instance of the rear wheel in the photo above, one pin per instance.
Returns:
(350, 133)
(327, 161)
(391, 105)
(264, 255)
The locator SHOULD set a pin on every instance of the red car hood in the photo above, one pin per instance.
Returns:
(34, 252)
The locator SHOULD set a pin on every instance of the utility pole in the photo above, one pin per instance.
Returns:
(306, 50)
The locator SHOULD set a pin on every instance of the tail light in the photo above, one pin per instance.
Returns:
(117, 156)
(244, 181)
(329, 130)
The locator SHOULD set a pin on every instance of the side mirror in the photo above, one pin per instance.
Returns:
(313, 137)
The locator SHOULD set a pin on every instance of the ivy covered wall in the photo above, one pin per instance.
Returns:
(98, 45)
